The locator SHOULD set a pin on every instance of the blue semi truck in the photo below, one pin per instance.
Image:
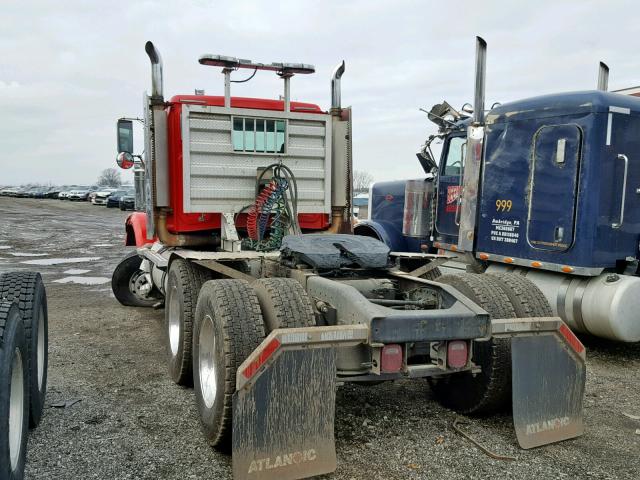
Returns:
(547, 187)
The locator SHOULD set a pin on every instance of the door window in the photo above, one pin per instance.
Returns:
(454, 163)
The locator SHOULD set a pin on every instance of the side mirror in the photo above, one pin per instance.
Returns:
(125, 136)
(427, 162)
(125, 160)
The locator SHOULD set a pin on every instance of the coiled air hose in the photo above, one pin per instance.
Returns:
(278, 202)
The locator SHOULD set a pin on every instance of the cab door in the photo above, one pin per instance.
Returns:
(449, 190)
(553, 187)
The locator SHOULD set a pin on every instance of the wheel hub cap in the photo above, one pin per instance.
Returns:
(207, 362)
(174, 321)
(41, 350)
(16, 410)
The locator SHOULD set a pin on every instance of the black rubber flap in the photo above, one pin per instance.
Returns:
(548, 390)
(283, 420)
(328, 251)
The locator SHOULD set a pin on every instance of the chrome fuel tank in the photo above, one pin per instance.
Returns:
(606, 306)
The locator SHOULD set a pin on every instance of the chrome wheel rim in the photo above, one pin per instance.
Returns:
(16, 410)
(174, 321)
(41, 350)
(139, 285)
(207, 361)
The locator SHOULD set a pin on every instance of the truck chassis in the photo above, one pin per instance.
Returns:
(291, 326)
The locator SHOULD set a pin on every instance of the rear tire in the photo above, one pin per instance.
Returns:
(14, 392)
(27, 289)
(525, 296)
(228, 327)
(183, 285)
(124, 280)
(490, 390)
(284, 303)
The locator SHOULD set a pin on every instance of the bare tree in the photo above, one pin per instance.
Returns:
(110, 177)
(361, 181)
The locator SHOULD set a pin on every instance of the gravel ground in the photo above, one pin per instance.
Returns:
(132, 422)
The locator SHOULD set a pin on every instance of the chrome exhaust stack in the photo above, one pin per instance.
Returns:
(336, 96)
(475, 148)
(481, 69)
(156, 71)
(603, 77)
(341, 158)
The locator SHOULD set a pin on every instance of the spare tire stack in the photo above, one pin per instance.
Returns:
(23, 365)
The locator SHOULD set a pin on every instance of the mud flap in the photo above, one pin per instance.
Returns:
(548, 381)
(284, 405)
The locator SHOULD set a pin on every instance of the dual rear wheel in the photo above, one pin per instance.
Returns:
(14, 392)
(504, 295)
(23, 365)
(231, 320)
(212, 326)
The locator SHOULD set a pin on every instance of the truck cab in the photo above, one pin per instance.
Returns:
(546, 187)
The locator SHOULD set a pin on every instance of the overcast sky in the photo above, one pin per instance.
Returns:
(69, 69)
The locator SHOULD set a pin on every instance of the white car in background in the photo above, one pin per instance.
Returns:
(78, 195)
(100, 197)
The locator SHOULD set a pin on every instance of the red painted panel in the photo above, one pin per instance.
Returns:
(243, 102)
(178, 221)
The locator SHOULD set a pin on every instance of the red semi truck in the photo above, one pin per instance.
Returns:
(271, 303)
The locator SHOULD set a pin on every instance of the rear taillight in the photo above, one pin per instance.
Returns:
(457, 353)
(391, 358)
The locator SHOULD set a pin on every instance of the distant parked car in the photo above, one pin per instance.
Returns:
(113, 200)
(52, 193)
(23, 192)
(40, 192)
(128, 202)
(102, 195)
(78, 195)
(9, 192)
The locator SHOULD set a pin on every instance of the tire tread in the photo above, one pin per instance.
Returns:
(527, 299)
(237, 308)
(23, 287)
(289, 302)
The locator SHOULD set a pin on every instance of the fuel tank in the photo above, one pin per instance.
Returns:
(605, 306)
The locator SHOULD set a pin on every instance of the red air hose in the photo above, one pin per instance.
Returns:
(256, 209)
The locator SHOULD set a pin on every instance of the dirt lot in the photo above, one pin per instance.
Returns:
(132, 422)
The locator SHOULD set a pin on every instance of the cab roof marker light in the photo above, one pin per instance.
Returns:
(536, 264)
(507, 260)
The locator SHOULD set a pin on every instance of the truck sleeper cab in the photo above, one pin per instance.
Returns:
(556, 194)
